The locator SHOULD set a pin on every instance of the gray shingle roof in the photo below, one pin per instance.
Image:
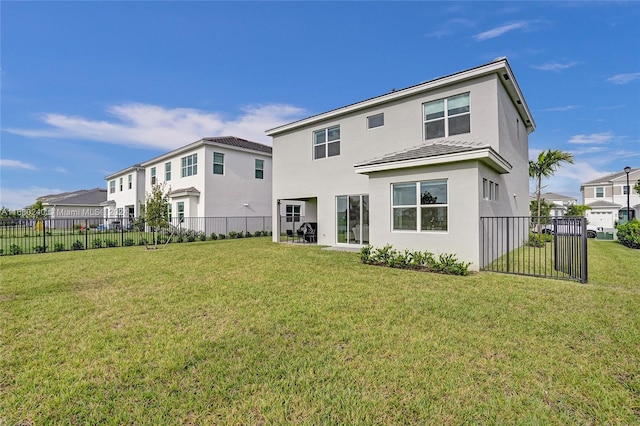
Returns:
(188, 190)
(554, 196)
(608, 178)
(425, 151)
(239, 142)
(603, 203)
(82, 197)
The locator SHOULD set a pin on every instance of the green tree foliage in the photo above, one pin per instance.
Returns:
(37, 211)
(629, 234)
(636, 187)
(544, 209)
(546, 165)
(156, 208)
(576, 209)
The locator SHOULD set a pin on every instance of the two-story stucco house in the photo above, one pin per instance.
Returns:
(125, 193)
(213, 177)
(415, 168)
(558, 202)
(607, 197)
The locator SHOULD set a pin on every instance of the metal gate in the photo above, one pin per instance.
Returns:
(552, 247)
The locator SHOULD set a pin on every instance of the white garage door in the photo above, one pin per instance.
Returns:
(604, 219)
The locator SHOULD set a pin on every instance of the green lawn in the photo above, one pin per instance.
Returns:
(251, 332)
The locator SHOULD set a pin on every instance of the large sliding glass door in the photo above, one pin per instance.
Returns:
(352, 219)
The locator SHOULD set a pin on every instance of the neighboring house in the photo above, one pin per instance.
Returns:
(607, 197)
(415, 168)
(213, 177)
(81, 204)
(558, 202)
(126, 193)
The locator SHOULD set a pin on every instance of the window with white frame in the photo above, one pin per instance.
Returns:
(121, 184)
(218, 163)
(189, 165)
(420, 206)
(625, 189)
(130, 181)
(167, 171)
(259, 169)
(447, 117)
(374, 121)
(153, 176)
(490, 190)
(112, 186)
(599, 192)
(326, 142)
(292, 213)
(180, 206)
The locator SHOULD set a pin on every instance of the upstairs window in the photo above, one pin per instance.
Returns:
(130, 181)
(112, 186)
(259, 169)
(447, 117)
(153, 176)
(121, 184)
(374, 121)
(167, 171)
(218, 163)
(599, 192)
(625, 189)
(326, 142)
(189, 165)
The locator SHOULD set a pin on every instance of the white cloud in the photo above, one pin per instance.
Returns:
(450, 27)
(555, 66)
(561, 109)
(16, 164)
(16, 199)
(61, 170)
(152, 126)
(594, 138)
(498, 31)
(624, 78)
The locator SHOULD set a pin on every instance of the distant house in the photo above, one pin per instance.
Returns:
(415, 168)
(81, 204)
(607, 197)
(213, 177)
(558, 202)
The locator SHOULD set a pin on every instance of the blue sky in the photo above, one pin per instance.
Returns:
(89, 88)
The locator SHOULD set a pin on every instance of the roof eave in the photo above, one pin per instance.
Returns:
(501, 67)
(485, 155)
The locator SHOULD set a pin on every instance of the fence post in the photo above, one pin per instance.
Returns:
(122, 234)
(583, 261)
(86, 235)
(508, 236)
(44, 236)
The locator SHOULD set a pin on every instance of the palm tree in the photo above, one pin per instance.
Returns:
(547, 164)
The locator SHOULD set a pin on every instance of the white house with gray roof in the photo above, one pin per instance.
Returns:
(81, 204)
(415, 168)
(607, 197)
(212, 177)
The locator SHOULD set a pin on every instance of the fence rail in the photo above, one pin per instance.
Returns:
(26, 236)
(537, 246)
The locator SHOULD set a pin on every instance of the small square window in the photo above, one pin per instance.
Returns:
(374, 121)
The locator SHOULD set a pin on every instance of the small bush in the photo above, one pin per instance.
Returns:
(15, 249)
(58, 247)
(96, 243)
(142, 242)
(424, 261)
(257, 234)
(111, 243)
(629, 234)
(128, 242)
(40, 249)
(214, 236)
(179, 239)
(77, 245)
(191, 238)
(222, 236)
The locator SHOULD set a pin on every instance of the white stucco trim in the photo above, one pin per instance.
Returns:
(486, 155)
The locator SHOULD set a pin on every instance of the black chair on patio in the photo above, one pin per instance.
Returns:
(300, 233)
(291, 235)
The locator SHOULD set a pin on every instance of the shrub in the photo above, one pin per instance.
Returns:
(222, 237)
(77, 245)
(96, 243)
(202, 236)
(191, 238)
(128, 242)
(248, 235)
(58, 247)
(536, 240)
(111, 243)
(214, 236)
(40, 249)
(425, 261)
(179, 239)
(15, 249)
(257, 234)
(629, 234)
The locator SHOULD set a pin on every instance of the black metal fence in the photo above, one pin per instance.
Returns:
(545, 247)
(25, 236)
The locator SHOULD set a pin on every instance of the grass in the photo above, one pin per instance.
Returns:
(252, 332)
